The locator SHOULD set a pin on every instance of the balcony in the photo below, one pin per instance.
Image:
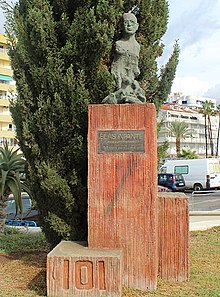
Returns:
(7, 88)
(7, 134)
(3, 39)
(4, 55)
(4, 102)
(6, 71)
(5, 118)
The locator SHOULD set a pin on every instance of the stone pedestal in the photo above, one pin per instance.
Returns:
(173, 233)
(74, 270)
(122, 187)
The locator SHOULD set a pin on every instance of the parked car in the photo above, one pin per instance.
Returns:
(30, 214)
(162, 189)
(199, 174)
(174, 182)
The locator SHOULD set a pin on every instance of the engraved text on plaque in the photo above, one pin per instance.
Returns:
(121, 141)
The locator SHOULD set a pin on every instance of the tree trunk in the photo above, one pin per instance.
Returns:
(177, 146)
(3, 206)
(210, 136)
(218, 135)
(206, 140)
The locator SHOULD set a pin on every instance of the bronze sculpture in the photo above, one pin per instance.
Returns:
(125, 66)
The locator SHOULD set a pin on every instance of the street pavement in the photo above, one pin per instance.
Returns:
(196, 222)
(209, 214)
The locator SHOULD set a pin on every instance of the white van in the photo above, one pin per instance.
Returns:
(198, 174)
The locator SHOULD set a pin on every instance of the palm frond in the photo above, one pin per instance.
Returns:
(15, 188)
(3, 180)
(12, 165)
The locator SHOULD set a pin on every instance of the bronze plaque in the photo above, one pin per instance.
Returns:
(121, 141)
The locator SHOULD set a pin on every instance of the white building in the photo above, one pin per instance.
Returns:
(170, 112)
(190, 100)
(195, 101)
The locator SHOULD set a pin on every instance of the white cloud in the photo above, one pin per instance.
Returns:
(190, 85)
(192, 22)
(196, 24)
(202, 59)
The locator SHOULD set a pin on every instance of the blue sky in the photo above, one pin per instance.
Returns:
(196, 24)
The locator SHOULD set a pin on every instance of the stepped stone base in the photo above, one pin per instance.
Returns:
(74, 270)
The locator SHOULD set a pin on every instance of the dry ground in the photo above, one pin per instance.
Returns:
(23, 272)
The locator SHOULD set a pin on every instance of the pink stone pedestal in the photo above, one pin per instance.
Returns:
(74, 270)
(173, 232)
(122, 187)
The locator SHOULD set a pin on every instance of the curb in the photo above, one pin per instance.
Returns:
(204, 213)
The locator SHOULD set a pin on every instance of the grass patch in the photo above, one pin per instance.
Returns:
(30, 278)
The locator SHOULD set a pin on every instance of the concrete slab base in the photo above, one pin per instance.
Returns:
(74, 270)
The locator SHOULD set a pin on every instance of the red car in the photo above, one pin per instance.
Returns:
(162, 189)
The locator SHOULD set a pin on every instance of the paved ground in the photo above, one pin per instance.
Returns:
(203, 222)
(27, 229)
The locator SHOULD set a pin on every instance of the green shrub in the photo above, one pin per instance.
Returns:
(17, 242)
(12, 230)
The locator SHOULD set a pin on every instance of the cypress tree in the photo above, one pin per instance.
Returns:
(61, 52)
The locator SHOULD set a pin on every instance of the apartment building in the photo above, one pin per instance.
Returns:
(7, 87)
(189, 114)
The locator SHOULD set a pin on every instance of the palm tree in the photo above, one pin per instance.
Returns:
(211, 112)
(203, 111)
(208, 110)
(188, 154)
(163, 147)
(179, 130)
(218, 134)
(12, 166)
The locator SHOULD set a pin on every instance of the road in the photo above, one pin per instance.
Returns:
(205, 201)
